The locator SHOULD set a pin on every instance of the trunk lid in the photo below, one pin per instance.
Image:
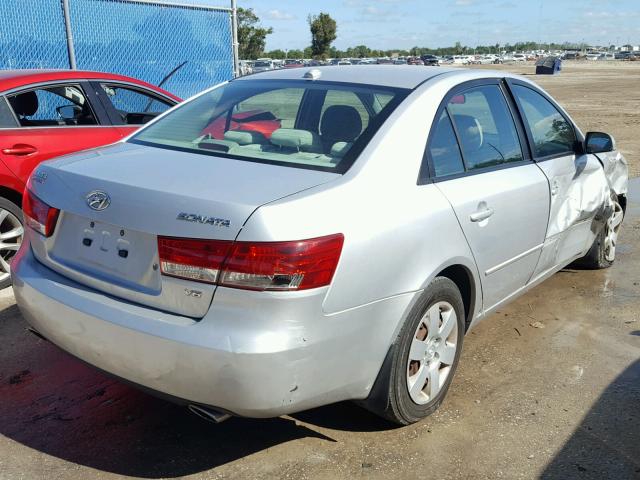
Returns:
(152, 192)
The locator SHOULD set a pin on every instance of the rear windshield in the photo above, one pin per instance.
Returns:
(305, 124)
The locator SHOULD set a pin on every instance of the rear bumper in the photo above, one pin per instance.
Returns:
(253, 354)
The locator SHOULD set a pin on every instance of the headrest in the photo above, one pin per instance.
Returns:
(25, 104)
(340, 149)
(470, 132)
(244, 137)
(299, 139)
(341, 123)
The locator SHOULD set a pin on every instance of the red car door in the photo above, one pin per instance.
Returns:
(53, 120)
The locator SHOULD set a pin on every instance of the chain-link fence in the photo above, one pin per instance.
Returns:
(185, 45)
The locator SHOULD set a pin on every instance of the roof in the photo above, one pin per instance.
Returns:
(399, 76)
(10, 79)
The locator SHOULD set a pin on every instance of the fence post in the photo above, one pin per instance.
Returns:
(234, 30)
(69, 33)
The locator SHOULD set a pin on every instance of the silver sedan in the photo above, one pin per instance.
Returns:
(307, 236)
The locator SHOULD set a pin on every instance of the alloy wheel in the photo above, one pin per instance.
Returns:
(611, 233)
(432, 352)
(11, 232)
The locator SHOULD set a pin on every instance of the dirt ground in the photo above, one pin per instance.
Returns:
(599, 96)
(548, 387)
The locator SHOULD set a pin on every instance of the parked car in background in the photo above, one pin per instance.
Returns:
(626, 55)
(271, 276)
(430, 60)
(519, 57)
(263, 65)
(415, 61)
(607, 57)
(246, 67)
(48, 113)
(292, 63)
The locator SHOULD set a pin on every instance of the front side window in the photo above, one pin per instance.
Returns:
(297, 123)
(551, 133)
(61, 105)
(134, 107)
(485, 127)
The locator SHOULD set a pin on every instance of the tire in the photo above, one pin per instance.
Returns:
(441, 304)
(10, 221)
(603, 251)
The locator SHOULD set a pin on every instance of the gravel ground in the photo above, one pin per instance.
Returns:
(548, 387)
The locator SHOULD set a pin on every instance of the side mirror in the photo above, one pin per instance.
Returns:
(598, 142)
(69, 112)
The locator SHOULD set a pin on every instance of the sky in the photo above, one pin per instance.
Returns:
(388, 24)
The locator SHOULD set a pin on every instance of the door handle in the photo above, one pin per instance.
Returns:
(481, 215)
(20, 149)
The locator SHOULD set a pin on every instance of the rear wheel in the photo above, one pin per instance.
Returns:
(426, 354)
(11, 233)
(602, 253)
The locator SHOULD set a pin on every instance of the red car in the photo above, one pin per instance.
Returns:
(48, 113)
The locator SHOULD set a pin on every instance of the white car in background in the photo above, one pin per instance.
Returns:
(519, 57)
(263, 65)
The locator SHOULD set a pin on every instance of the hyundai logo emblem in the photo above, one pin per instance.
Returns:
(98, 200)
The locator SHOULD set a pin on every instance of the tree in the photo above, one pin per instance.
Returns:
(251, 36)
(276, 54)
(323, 33)
(296, 54)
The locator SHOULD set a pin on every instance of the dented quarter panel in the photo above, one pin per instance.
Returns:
(616, 169)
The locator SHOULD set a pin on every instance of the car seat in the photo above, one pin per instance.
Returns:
(340, 123)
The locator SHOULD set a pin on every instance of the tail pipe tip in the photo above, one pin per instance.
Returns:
(209, 414)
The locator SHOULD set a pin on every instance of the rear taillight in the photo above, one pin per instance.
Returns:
(198, 260)
(297, 265)
(38, 215)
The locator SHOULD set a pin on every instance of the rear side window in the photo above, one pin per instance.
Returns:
(443, 148)
(315, 125)
(551, 133)
(485, 127)
(7, 120)
(134, 107)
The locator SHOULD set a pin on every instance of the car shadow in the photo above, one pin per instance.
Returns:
(606, 444)
(55, 404)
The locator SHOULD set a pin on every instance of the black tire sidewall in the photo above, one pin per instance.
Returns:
(404, 409)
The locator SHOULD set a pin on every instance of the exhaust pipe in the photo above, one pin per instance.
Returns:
(37, 333)
(209, 414)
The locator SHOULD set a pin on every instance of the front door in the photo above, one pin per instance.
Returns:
(576, 180)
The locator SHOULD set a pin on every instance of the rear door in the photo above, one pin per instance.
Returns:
(576, 180)
(49, 121)
(500, 197)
